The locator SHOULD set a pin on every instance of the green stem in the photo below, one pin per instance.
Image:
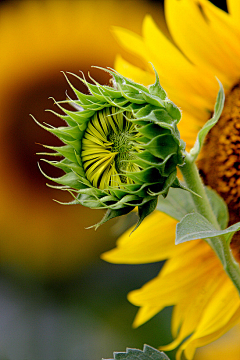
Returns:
(194, 182)
(192, 179)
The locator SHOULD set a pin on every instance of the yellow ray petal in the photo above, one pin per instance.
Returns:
(186, 321)
(190, 346)
(132, 42)
(205, 52)
(144, 314)
(220, 308)
(228, 36)
(189, 102)
(225, 348)
(234, 9)
(133, 72)
(169, 61)
(168, 289)
(147, 245)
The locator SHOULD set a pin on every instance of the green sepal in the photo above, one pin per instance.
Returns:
(162, 146)
(145, 210)
(111, 214)
(180, 185)
(209, 124)
(148, 353)
(151, 130)
(69, 179)
(151, 113)
(66, 166)
(169, 181)
(165, 166)
(146, 176)
(123, 81)
(173, 110)
(156, 89)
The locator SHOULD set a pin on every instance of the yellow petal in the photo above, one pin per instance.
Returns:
(146, 245)
(189, 347)
(186, 315)
(220, 308)
(178, 277)
(167, 59)
(225, 348)
(205, 51)
(234, 9)
(133, 72)
(144, 314)
(228, 36)
(132, 42)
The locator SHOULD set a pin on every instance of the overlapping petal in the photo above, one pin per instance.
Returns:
(203, 44)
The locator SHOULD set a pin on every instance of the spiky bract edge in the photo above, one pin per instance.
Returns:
(156, 118)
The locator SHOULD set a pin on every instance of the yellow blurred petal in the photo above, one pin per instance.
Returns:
(175, 279)
(234, 9)
(220, 308)
(130, 41)
(144, 314)
(169, 61)
(140, 247)
(187, 313)
(205, 52)
(225, 348)
(204, 42)
(190, 346)
(228, 36)
(133, 72)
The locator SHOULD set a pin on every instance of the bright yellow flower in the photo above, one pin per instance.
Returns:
(203, 42)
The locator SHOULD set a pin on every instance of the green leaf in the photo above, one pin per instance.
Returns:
(195, 226)
(177, 204)
(219, 207)
(209, 124)
(148, 353)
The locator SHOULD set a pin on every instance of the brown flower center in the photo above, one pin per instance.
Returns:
(220, 162)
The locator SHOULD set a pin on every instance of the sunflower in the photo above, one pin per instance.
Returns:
(38, 40)
(201, 43)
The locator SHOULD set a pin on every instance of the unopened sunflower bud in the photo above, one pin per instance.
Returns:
(121, 146)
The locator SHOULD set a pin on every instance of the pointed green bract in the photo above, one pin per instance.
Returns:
(121, 146)
(148, 353)
(194, 152)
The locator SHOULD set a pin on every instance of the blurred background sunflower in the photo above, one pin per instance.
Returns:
(57, 299)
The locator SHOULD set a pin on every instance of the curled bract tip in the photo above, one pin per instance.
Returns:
(121, 146)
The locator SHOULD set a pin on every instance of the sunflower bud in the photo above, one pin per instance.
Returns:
(121, 146)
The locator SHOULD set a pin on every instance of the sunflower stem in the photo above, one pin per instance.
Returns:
(193, 180)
